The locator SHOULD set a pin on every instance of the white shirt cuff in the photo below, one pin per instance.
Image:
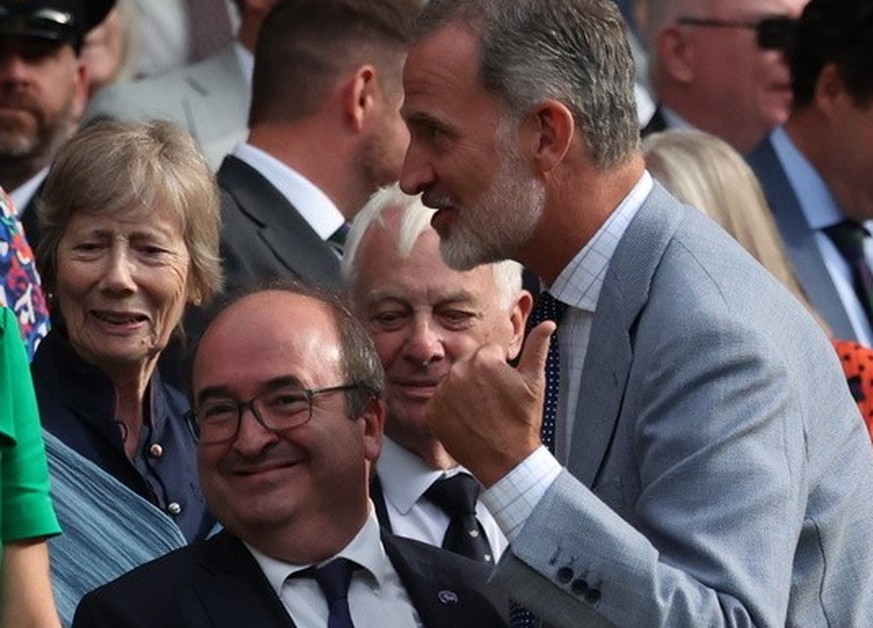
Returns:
(513, 498)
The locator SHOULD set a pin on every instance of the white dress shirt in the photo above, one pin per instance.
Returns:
(405, 478)
(377, 597)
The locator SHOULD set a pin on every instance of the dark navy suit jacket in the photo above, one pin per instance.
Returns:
(218, 584)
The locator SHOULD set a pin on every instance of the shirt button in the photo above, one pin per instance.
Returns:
(156, 451)
(174, 508)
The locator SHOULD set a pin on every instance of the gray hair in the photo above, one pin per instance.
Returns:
(572, 51)
(112, 167)
(414, 221)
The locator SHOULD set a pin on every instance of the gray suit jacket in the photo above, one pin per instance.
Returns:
(719, 473)
(799, 239)
(210, 99)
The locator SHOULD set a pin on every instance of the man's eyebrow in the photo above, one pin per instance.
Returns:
(222, 391)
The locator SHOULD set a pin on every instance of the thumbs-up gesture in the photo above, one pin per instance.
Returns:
(488, 414)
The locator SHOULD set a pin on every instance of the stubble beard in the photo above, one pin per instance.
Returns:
(501, 223)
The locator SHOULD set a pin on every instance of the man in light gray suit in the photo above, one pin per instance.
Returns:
(817, 170)
(710, 466)
(210, 98)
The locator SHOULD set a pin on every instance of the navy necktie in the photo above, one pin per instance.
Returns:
(848, 237)
(334, 579)
(548, 308)
(457, 497)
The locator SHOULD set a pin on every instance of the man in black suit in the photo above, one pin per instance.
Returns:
(289, 412)
(325, 133)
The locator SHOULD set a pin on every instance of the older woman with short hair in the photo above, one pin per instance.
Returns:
(130, 224)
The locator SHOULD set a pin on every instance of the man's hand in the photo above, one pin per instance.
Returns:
(488, 414)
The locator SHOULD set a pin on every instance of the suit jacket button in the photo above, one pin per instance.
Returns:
(565, 574)
(593, 596)
(174, 508)
(579, 587)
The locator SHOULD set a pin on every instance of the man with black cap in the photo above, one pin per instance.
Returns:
(43, 89)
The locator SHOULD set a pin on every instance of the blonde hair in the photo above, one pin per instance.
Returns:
(706, 172)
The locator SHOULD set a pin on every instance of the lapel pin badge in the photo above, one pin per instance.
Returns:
(448, 597)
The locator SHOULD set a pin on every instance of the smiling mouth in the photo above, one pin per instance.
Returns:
(119, 318)
(255, 471)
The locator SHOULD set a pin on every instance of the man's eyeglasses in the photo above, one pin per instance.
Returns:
(278, 410)
(774, 33)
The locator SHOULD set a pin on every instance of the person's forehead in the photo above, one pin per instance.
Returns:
(273, 320)
(266, 335)
(422, 275)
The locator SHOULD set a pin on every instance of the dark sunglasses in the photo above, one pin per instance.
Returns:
(774, 33)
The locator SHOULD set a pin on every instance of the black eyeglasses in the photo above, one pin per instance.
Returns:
(278, 410)
(774, 33)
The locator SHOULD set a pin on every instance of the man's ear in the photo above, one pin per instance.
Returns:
(80, 95)
(518, 315)
(548, 132)
(675, 54)
(373, 419)
(830, 91)
(360, 95)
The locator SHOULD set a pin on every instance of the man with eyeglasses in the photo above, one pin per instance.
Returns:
(817, 169)
(719, 66)
(288, 410)
(43, 90)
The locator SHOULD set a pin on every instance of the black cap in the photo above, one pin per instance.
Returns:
(58, 20)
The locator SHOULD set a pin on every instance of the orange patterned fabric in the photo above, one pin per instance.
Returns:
(857, 361)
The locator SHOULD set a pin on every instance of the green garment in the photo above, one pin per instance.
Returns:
(25, 507)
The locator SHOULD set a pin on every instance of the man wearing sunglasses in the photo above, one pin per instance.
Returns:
(288, 411)
(817, 170)
(719, 66)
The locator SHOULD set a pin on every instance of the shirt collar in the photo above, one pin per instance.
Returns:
(816, 201)
(365, 549)
(579, 284)
(409, 475)
(23, 193)
(308, 199)
(674, 120)
(246, 61)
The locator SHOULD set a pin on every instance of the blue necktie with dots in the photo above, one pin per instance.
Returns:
(548, 308)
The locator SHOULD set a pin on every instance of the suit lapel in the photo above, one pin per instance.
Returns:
(279, 224)
(610, 350)
(233, 589)
(799, 239)
(443, 595)
(378, 499)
